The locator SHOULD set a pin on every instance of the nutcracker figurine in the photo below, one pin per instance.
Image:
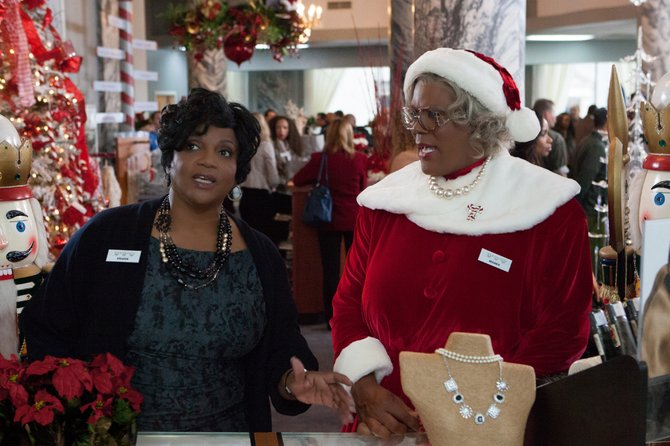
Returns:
(24, 249)
(650, 200)
(650, 194)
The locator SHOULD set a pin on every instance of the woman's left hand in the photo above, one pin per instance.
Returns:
(323, 388)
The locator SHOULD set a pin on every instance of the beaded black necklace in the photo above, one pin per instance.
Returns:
(185, 273)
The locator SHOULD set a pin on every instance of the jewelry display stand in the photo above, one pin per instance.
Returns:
(466, 396)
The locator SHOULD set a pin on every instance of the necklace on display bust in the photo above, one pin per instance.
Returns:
(188, 275)
(451, 386)
(451, 193)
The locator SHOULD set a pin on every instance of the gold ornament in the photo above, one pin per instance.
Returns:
(191, 23)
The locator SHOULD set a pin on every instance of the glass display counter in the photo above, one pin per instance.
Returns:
(275, 439)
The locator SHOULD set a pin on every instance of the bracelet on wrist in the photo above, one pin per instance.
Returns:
(286, 389)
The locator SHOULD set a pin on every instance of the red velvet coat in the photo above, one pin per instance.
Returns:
(409, 287)
(347, 177)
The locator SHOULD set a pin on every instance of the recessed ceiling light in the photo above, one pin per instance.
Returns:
(558, 37)
(265, 46)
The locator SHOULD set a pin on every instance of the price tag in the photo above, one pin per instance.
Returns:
(110, 53)
(600, 318)
(142, 75)
(142, 106)
(148, 45)
(116, 22)
(109, 118)
(618, 309)
(114, 87)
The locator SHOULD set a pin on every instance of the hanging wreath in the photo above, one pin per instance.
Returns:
(213, 24)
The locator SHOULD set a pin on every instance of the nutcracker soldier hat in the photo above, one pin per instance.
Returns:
(648, 191)
(656, 125)
(15, 161)
(484, 79)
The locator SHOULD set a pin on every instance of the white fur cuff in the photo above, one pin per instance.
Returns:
(363, 357)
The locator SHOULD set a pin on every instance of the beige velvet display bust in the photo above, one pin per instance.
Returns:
(476, 374)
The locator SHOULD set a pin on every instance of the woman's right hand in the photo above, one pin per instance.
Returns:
(380, 412)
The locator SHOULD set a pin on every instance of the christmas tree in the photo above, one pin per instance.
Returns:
(48, 109)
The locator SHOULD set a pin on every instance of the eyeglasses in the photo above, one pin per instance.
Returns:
(428, 119)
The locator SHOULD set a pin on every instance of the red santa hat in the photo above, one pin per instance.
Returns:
(483, 78)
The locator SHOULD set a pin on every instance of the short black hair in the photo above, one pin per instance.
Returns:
(195, 114)
(600, 118)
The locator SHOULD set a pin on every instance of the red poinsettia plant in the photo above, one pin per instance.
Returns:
(62, 401)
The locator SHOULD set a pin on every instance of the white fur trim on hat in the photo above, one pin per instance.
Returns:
(480, 79)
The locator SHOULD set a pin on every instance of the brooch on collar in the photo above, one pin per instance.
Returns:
(474, 211)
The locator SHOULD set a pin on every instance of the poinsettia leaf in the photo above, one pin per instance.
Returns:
(83, 439)
(123, 413)
(40, 367)
(18, 395)
(102, 381)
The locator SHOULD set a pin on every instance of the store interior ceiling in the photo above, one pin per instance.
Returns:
(610, 30)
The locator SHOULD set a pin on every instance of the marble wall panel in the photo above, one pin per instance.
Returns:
(655, 22)
(493, 27)
(273, 89)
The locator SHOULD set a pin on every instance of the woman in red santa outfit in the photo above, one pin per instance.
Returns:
(470, 239)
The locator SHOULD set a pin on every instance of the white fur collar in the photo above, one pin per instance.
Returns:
(513, 195)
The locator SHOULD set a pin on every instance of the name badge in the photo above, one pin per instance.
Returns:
(123, 256)
(495, 260)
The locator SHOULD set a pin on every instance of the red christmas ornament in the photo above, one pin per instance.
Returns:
(59, 243)
(239, 47)
(72, 217)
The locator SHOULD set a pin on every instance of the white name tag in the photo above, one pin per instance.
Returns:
(123, 256)
(495, 260)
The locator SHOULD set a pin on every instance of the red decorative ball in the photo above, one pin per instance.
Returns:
(239, 47)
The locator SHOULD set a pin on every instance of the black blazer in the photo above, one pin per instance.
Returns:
(88, 305)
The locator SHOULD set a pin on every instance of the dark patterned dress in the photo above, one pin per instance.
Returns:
(188, 345)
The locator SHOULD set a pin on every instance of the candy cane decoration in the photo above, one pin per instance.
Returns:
(127, 81)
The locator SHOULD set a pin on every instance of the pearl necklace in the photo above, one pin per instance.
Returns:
(466, 358)
(451, 193)
(451, 386)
